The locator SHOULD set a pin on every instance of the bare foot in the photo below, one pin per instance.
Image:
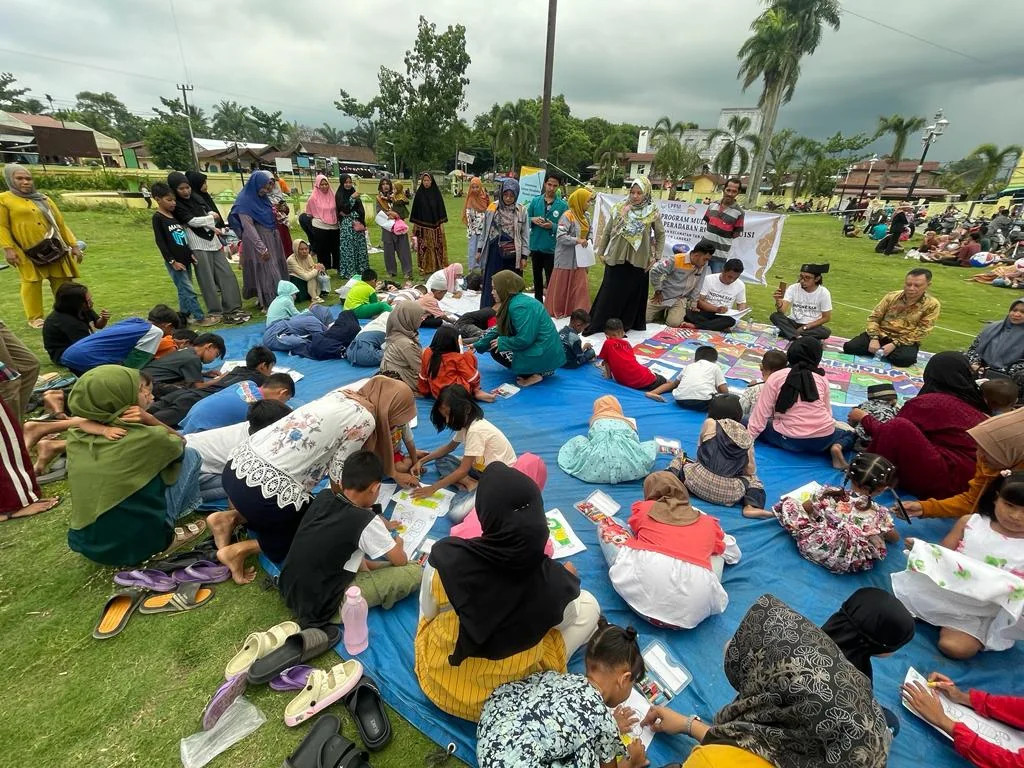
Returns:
(34, 431)
(467, 483)
(757, 513)
(53, 401)
(223, 525)
(529, 381)
(43, 505)
(485, 397)
(47, 451)
(654, 396)
(838, 459)
(233, 556)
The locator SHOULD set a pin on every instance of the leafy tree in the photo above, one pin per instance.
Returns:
(168, 145)
(665, 129)
(10, 97)
(174, 112)
(328, 134)
(609, 171)
(901, 128)
(232, 121)
(675, 162)
(268, 127)
(106, 113)
(738, 136)
(30, 106)
(993, 160)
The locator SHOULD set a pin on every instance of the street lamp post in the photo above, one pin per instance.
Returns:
(871, 167)
(931, 133)
(394, 157)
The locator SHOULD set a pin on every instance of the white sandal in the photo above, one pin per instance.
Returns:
(257, 645)
(323, 689)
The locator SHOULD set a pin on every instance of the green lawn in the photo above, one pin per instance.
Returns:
(68, 698)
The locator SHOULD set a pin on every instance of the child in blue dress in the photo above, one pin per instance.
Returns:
(611, 452)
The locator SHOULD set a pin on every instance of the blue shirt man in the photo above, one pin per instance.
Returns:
(231, 404)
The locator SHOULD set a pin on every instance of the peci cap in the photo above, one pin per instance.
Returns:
(814, 269)
(876, 391)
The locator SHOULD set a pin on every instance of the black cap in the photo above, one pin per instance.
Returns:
(814, 269)
(876, 391)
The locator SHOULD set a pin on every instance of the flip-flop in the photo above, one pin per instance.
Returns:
(203, 572)
(185, 534)
(185, 598)
(257, 645)
(206, 550)
(323, 689)
(324, 747)
(292, 679)
(52, 502)
(367, 709)
(54, 474)
(116, 611)
(145, 578)
(296, 649)
(222, 699)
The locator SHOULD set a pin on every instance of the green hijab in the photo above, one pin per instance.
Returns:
(506, 284)
(103, 473)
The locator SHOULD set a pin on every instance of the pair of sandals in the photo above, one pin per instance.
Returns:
(325, 747)
(124, 603)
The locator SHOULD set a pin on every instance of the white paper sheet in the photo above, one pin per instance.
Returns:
(804, 492)
(387, 490)
(438, 503)
(230, 365)
(738, 314)
(415, 525)
(585, 255)
(639, 704)
(563, 537)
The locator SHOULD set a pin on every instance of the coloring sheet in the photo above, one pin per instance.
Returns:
(562, 536)
(641, 706)
(439, 502)
(387, 490)
(804, 492)
(414, 525)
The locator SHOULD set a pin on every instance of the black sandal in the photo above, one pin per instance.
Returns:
(325, 747)
(367, 710)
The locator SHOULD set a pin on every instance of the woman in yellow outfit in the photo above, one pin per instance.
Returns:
(27, 217)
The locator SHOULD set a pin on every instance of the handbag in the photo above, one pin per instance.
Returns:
(358, 226)
(51, 248)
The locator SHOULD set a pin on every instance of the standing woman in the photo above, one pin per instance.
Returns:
(213, 272)
(504, 243)
(568, 288)
(254, 220)
(428, 219)
(626, 249)
(473, 217)
(394, 242)
(352, 222)
(36, 240)
(324, 222)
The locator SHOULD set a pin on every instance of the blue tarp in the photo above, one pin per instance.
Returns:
(540, 419)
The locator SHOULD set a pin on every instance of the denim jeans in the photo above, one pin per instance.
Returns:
(798, 444)
(183, 497)
(188, 302)
(472, 258)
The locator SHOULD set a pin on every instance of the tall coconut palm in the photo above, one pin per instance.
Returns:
(675, 162)
(901, 128)
(782, 35)
(330, 135)
(994, 159)
(737, 135)
(231, 120)
(516, 131)
(666, 128)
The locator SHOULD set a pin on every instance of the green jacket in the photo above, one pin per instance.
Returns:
(535, 345)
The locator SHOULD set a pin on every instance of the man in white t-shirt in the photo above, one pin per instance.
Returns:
(804, 308)
(719, 293)
(700, 381)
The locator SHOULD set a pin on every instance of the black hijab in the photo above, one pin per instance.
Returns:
(506, 592)
(189, 207)
(343, 197)
(428, 205)
(196, 179)
(803, 355)
(869, 623)
(950, 373)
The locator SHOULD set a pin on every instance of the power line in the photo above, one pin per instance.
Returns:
(903, 32)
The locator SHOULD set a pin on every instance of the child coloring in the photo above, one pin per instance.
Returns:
(446, 362)
(700, 381)
(577, 353)
(611, 451)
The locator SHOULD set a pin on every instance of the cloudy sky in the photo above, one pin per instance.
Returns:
(633, 60)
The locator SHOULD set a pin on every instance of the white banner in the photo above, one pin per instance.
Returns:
(463, 157)
(283, 164)
(684, 224)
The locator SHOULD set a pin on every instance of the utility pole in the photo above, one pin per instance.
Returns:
(185, 88)
(549, 65)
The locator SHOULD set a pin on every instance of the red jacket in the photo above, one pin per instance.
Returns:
(622, 364)
(985, 754)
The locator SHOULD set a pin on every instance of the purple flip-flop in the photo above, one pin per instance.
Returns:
(203, 572)
(292, 679)
(222, 699)
(146, 578)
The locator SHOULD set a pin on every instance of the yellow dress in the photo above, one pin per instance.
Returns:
(723, 756)
(462, 690)
(22, 222)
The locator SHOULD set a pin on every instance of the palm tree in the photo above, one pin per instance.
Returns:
(737, 134)
(365, 134)
(516, 131)
(675, 162)
(994, 160)
(782, 35)
(330, 134)
(782, 154)
(231, 120)
(901, 128)
(665, 128)
(807, 155)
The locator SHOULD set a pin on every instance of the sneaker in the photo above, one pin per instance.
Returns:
(209, 320)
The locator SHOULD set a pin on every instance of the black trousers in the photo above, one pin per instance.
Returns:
(901, 357)
(887, 244)
(790, 329)
(543, 265)
(710, 321)
(326, 244)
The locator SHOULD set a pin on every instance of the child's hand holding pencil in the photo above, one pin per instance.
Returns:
(948, 687)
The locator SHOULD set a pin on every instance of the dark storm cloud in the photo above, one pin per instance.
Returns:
(631, 61)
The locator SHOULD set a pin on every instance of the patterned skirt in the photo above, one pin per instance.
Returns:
(431, 248)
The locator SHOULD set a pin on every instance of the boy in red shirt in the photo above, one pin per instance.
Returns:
(620, 361)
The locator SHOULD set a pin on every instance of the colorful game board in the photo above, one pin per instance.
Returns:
(740, 352)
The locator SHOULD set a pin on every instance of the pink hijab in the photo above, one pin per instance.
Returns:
(321, 204)
(452, 273)
(533, 467)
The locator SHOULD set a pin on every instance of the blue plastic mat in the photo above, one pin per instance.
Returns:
(539, 420)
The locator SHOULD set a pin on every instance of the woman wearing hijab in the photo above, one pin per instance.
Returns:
(668, 564)
(630, 242)
(270, 477)
(611, 452)
(794, 409)
(799, 703)
(394, 242)
(126, 494)
(928, 439)
(428, 218)
(198, 181)
(353, 254)
(323, 212)
(568, 289)
(524, 337)
(504, 242)
(213, 272)
(263, 259)
(303, 265)
(473, 215)
(495, 608)
(402, 349)
(35, 240)
(999, 348)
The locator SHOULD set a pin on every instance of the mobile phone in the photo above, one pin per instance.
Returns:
(783, 286)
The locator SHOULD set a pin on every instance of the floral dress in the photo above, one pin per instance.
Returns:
(547, 719)
(354, 257)
(610, 453)
(842, 532)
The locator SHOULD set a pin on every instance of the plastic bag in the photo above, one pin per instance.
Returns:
(237, 722)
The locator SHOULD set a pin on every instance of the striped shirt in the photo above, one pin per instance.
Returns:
(724, 224)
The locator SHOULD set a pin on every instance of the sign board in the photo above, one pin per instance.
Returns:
(684, 223)
(462, 157)
(284, 164)
(302, 161)
(531, 183)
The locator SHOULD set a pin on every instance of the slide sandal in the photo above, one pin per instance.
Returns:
(296, 649)
(116, 611)
(292, 679)
(145, 578)
(185, 535)
(202, 572)
(185, 598)
(367, 709)
(324, 747)
(323, 689)
(222, 699)
(207, 551)
(257, 645)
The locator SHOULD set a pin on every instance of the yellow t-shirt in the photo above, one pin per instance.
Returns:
(359, 294)
(723, 756)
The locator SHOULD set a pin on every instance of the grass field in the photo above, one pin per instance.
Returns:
(128, 701)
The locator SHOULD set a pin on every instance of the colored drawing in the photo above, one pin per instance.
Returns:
(562, 536)
(438, 502)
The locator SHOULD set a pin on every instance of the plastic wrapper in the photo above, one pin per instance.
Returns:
(237, 722)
